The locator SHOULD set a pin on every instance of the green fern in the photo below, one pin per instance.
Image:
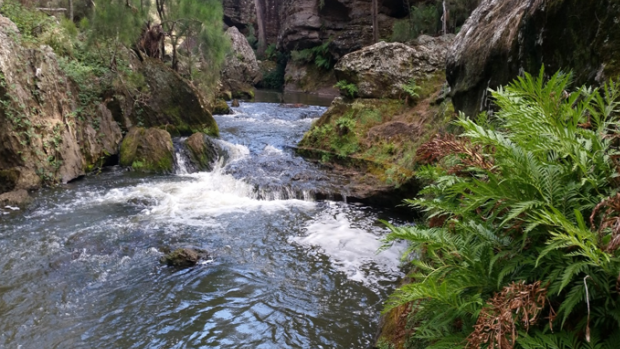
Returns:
(521, 219)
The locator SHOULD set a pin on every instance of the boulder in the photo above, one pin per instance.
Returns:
(502, 39)
(241, 71)
(18, 178)
(184, 257)
(18, 198)
(147, 150)
(203, 152)
(220, 107)
(380, 70)
(171, 101)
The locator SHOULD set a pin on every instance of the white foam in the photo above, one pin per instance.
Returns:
(352, 250)
(271, 150)
(193, 202)
(235, 151)
(12, 208)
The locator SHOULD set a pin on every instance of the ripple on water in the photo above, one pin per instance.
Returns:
(80, 268)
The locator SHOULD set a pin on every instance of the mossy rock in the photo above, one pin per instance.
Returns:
(203, 152)
(171, 101)
(148, 150)
(184, 257)
(220, 107)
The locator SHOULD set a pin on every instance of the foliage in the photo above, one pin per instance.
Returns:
(348, 89)
(274, 79)
(411, 89)
(508, 206)
(425, 18)
(30, 23)
(271, 53)
(251, 37)
(319, 55)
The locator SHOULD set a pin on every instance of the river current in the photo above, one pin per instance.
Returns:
(79, 268)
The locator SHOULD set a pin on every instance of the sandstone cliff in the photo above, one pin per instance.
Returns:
(501, 39)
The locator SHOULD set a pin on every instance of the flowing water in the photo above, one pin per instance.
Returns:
(79, 268)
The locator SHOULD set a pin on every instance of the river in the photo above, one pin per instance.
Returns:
(79, 268)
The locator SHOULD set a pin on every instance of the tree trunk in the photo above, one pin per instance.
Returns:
(71, 10)
(175, 63)
(375, 20)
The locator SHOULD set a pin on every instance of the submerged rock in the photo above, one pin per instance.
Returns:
(235, 103)
(148, 150)
(502, 39)
(184, 257)
(381, 70)
(203, 152)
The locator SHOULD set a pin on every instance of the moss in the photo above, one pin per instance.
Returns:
(383, 132)
(147, 150)
(220, 107)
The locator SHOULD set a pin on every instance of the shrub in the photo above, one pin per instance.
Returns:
(522, 240)
(319, 55)
(347, 89)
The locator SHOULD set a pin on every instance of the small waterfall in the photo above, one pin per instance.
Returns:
(182, 163)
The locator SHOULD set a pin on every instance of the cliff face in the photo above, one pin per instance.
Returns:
(295, 24)
(501, 39)
(39, 130)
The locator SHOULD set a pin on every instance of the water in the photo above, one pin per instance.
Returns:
(79, 268)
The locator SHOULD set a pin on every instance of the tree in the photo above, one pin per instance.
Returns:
(197, 22)
(116, 23)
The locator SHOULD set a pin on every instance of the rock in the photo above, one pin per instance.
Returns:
(239, 13)
(19, 178)
(184, 257)
(380, 70)
(18, 198)
(346, 23)
(172, 102)
(203, 152)
(308, 78)
(101, 144)
(147, 150)
(502, 39)
(220, 107)
(47, 142)
(240, 72)
(235, 103)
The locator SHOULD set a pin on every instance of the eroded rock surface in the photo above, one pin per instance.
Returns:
(380, 70)
(502, 39)
(39, 130)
